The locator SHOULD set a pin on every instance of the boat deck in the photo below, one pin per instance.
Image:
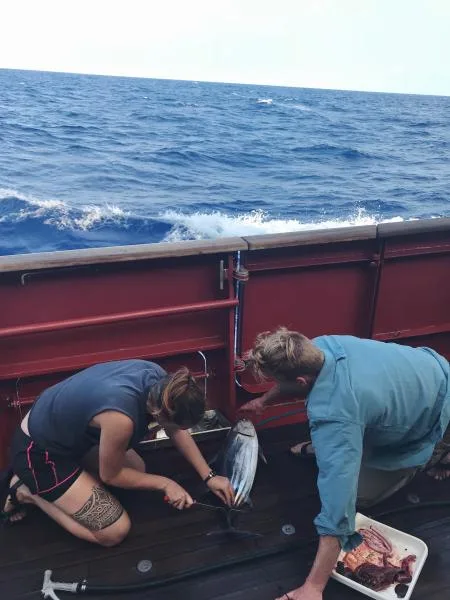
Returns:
(174, 542)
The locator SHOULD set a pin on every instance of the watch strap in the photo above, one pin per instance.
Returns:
(210, 475)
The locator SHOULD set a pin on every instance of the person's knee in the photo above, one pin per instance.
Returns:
(114, 534)
(104, 516)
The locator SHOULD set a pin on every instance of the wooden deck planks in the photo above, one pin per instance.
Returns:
(284, 492)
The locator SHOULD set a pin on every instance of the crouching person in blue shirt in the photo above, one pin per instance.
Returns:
(102, 413)
(376, 411)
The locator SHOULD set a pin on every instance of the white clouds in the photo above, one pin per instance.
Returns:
(385, 45)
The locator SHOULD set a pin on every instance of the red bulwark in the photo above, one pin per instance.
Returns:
(413, 305)
(55, 321)
(390, 282)
(314, 283)
(63, 311)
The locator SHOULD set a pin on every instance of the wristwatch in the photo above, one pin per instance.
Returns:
(210, 475)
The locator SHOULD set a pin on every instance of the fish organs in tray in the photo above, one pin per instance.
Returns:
(374, 564)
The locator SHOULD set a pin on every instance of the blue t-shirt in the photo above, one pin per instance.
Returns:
(60, 417)
(383, 404)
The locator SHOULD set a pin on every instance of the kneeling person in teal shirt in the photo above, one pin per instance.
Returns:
(376, 411)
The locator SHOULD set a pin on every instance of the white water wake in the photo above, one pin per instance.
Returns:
(201, 225)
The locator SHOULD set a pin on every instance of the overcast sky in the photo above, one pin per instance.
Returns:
(377, 45)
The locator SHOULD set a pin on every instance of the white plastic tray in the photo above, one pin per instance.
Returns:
(404, 543)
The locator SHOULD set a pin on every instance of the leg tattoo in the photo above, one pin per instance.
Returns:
(100, 511)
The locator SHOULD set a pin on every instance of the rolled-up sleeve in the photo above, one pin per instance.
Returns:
(338, 447)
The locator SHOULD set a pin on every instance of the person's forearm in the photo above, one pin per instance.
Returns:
(326, 557)
(279, 390)
(272, 395)
(188, 448)
(128, 478)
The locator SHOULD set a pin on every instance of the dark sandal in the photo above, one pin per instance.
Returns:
(10, 492)
(303, 453)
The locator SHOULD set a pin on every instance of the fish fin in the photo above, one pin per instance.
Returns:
(261, 455)
(241, 503)
(249, 502)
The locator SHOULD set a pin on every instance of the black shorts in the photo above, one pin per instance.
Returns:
(46, 473)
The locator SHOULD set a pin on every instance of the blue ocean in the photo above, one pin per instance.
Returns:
(89, 161)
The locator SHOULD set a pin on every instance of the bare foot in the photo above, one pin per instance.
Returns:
(303, 449)
(441, 470)
(21, 495)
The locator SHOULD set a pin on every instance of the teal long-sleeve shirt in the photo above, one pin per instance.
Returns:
(381, 403)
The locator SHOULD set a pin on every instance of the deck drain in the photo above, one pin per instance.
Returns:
(288, 529)
(144, 566)
(413, 498)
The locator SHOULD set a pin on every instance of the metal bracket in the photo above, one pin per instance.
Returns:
(205, 362)
(241, 274)
(14, 402)
(49, 586)
(25, 277)
(223, 274)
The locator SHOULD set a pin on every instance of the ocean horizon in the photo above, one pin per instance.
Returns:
(94, 160)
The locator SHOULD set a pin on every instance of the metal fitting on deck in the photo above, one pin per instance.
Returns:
(49, 586)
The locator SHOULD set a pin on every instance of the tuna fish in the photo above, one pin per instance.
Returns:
(238, 460)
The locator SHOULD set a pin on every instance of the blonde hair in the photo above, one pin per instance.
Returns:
(179, 397)
(283, 355)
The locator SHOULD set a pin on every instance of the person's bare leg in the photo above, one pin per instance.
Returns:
(132, 460)
(86, 510)
(94, 508)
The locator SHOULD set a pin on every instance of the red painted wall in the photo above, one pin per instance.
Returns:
(59, 315)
